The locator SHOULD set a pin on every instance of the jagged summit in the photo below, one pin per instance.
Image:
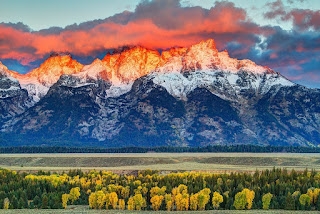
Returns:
(5, 72)
(38, 81)
(126, 64)
(3, 69)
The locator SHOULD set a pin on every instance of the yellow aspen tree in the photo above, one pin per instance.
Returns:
(217, 198)
(106, 200)
(100, 199)
(139, 202)
(74, 194)
(296, 195)
(113, 200)
(178, 202)
(178, 192)
(311, 195)
(316, 193)
(266, 199)
(6, 203)
(162, 191)
(182, 188)
(194, 202)
(154, 191)
(304, 199)
(249, 196)
(203, 198)
(125, 192)
(240, 201)
(122, 204)
(156, 202)
(138, 190)
(144, 191)
(185, 201)
(131, 204)
(65, 199)
(169, 202)
(158, 191)
(219, 181)
(92, 200)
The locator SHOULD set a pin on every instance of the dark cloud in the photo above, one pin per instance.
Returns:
(295, 1)
(19, 26)
(302, 19)
(276, 9)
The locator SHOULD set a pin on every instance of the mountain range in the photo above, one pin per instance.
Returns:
(134, 96)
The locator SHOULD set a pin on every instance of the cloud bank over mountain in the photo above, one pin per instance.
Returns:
(161, 24)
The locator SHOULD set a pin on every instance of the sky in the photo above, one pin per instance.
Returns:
(281, 34)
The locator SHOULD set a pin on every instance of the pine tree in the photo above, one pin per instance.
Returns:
(44, 202)
(290, 203)
(37, 201)
(21, 203)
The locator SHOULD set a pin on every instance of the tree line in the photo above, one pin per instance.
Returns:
(213, 148)
(148, 190)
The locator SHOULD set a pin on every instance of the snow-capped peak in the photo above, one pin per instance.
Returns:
(38, 81)
(124, 66)
(50, 71)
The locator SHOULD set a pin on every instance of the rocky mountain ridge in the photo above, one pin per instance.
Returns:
(184, 96)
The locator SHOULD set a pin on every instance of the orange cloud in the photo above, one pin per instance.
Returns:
(175, 26)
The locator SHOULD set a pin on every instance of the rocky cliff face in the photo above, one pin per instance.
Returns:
(13, 100)
(184, 96)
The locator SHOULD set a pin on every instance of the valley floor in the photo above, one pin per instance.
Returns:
(127, 163)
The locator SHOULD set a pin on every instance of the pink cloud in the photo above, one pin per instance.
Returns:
(175, 26)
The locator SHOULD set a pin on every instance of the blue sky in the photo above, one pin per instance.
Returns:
(269, 32)
(41, 14)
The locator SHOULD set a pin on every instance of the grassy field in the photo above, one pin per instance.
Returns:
(212, 162)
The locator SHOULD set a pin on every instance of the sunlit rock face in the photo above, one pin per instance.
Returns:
(191, 96)
(38, 81)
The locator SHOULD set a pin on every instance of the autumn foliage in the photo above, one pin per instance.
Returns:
(269, 189)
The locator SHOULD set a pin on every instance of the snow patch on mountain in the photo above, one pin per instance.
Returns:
(180, 85)
(118, 90)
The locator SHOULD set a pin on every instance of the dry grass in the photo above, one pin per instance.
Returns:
(213, 162)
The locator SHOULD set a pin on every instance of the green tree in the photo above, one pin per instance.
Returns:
(37, 201)
(44, 202)
(290, 203)
(21, 203)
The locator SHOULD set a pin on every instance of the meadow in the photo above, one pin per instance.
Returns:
(165, 162)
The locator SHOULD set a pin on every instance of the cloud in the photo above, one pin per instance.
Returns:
(276, 10)
(302, 19)
(157, 24)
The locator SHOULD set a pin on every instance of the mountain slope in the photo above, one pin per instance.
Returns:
(13, 100)
(184, 96)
